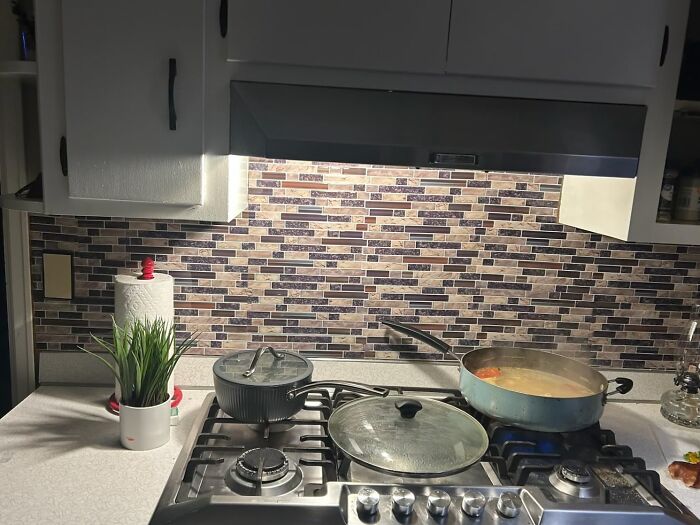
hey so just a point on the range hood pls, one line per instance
(435, 130)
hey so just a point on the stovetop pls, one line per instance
(538, 478)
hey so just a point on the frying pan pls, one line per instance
(532, 412)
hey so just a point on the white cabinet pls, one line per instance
(627, 208)
(387, 35)
(583, 41)
(133, 110)
(133, 78)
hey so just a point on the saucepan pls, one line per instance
(534, 412)
(270, 385)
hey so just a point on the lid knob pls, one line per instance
(408, 407)
(260, 351)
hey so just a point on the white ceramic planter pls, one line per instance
(144, 428)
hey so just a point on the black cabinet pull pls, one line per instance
(63, 156)
(172, 73)
(664, 47)
(223, 18)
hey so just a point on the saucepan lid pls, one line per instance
(264, 367)
(408, 436)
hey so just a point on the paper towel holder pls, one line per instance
(147, 267)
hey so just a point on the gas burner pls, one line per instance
(262, 464)
(263, 472)
(575, 479)
(575, 471)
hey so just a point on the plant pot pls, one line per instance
(144, 428)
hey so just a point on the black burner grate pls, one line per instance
(516, 454)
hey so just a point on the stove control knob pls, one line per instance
(473, 503)
(439, 503)
(367, 502)
(509, 505)
(402, 501)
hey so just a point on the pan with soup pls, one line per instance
(533, 382)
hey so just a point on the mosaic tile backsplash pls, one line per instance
(327, 250)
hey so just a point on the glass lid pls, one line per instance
(265, 366)
(415, 437)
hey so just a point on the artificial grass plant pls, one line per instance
(142, 361)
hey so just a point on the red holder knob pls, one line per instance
(147, 267)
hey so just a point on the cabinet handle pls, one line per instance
(172, 73)
(223, 18)
(664, 47)
(63, 156)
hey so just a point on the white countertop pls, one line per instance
(61, 461)
(656, 440)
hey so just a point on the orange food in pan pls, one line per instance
(488, 372)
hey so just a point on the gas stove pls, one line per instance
(290, 472)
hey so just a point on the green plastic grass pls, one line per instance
(142, 361)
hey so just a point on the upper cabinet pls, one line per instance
(134, 91)
(134, 97)
(391, 35)
(133, 110)
(607, 42)
(628, 209)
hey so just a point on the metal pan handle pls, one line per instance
(422, 336)
(624, 385)
(341, 385)
(256, 358)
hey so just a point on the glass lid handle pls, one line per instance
(260, 351)
(408, 407)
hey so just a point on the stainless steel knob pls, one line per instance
(473, 503)
(439, 503)
(402, 501)
(367, 501)
(509, 505)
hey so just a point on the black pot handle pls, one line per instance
(260, 351)
(422, 336)
(624, 385)
(340, 385)
(408, 407)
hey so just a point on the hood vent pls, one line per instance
(435, 130)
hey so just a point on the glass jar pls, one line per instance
(681, 405)
(687, 202)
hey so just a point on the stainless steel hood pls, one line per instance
(435, 130)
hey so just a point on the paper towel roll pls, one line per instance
(144, 300)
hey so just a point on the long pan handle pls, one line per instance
(422, 336)
(358, 388)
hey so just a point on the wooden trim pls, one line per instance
(13, 175)
(19, 303)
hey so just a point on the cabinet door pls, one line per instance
(122, 143)
(388, 35)
(614, 42)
